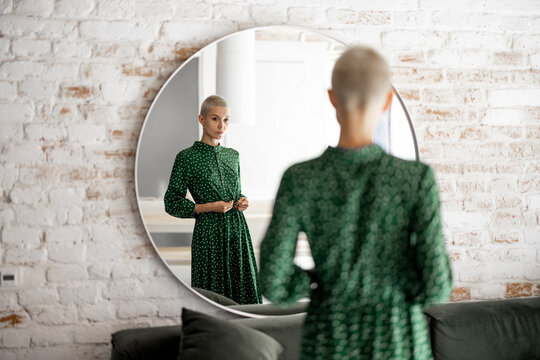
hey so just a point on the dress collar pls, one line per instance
(357, 155)
(204, 146)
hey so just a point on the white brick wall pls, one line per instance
(77, 78)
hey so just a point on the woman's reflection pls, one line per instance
(222, 254)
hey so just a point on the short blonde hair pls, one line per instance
(210, 102)
(359, 75)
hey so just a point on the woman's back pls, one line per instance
(373, 224)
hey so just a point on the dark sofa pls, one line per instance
(475, 330)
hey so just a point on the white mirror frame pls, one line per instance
(301, 28)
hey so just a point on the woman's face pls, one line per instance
(216, 121)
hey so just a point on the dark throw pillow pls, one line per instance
(207, 338)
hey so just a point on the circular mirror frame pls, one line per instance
(300, 28)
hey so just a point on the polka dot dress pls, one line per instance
(374, 227)
(222, 257)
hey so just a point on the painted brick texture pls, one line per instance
(77, 78)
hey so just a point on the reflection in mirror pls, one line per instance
(275, 80)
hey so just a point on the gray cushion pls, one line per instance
(205, 337)
(287, 329)
(490, 330)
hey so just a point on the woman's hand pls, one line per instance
(222, 206)
(242, 204)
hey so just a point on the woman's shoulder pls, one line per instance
(185, 153)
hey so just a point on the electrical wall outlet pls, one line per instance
(9, 278)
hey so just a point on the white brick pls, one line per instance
(61, 273)
(18, 26)
(168, 308)
(21, 235)
(136, 309)
(27, 195)
(128, 289)
(16, 113)
(22, 69)
(495, 116)
(74, 216)
(515, 97)
(23, 256)
(38, 90)
(33, 7)
(5, 46)
(38, 296)
(93, 333)
(230, 12)
(15, 338)
(115, 49)
(268, 14)
(122, 10)
(119, 92)
(87, 133)
(8, 91)
(455, 5)
(52, 335)
(53, 314)
(74, 8)
(412, 39)
(479, 40)
(38, 216)
(66, 253)
(305, 15)
(473, 272)
(161, 288)
(507, 271)
(98, 312)
(532, 236)
(65, 154)
(72, 49)
(118, 30)
(488, 291)
(384, 5)
(192, 11)
(102, 72)
(532, 271)
(23, 154)
(534, 60)
(33, 276)
(451, 57)
(11, 132)
(70, 195)
(45, 133)
(196, 32)
(6, 216)
(108, 250)
(99, 270)
(7, 300)
(8, 176)
(31, 47)
(157, 11)
(64, 234)
(84, 294)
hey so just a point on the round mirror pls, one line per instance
(275, 81)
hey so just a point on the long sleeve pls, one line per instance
(240, 182)
(176, 203)
(281, 280)
(429, 252)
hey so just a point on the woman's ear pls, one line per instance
(201, 120)
(388, 100)
(331, 97)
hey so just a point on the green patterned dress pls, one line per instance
(222, 257)
(374, 227)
